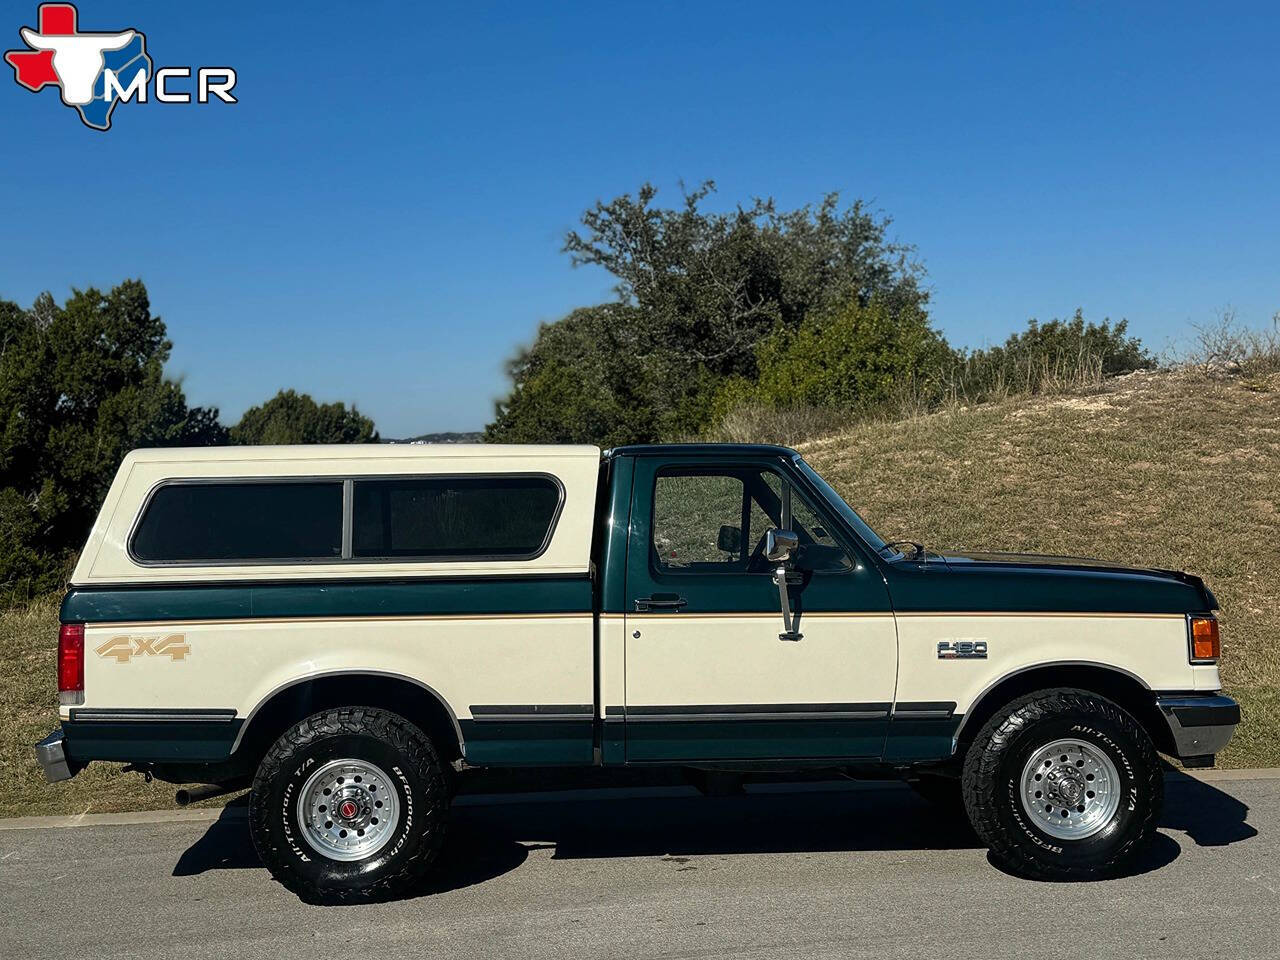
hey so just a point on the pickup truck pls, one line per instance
(346, 629)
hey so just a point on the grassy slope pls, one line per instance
(1162, 470)
(28, 698)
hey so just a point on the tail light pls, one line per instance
(71, 663)
(1206, 645)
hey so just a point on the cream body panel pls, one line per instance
(239, 664)
(613, 662)
(1205, 676)
(686, 659)
(106, 559)
(1152, 649)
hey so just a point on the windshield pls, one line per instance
(837, 502)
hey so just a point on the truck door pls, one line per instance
(708, 675)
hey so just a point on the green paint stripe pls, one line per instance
(330, 598)
(525, 742)
(920, 738)
(150, 742)
(686, 741)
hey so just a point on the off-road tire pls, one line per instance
(364, 733)
(992, 785)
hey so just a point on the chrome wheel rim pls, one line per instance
(348, 810)
(1070, 789)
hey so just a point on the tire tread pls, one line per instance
(982, 771)
(354, 721)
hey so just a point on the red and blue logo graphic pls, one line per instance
(93, 71)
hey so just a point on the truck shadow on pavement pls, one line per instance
(1209, 816)
(491, 835)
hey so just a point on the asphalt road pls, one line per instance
(823, 871)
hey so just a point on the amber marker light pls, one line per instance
(1206, 646)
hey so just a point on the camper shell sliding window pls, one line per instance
(348, 519)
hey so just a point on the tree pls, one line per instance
(80, 386)
(697, 293)
(291, 417)
(583, 380)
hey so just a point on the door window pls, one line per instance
(819, 549)
(697, 522)
(714, 520)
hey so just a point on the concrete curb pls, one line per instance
(239, 813)
(118, 819)
(1210, 776)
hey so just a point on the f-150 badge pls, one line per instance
(962, 649)
(124, 649)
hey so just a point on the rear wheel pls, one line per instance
(349, 805)
(1062, 785)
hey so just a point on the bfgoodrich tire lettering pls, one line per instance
(386, 742)
(993, 783)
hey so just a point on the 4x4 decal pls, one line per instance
(125, 648)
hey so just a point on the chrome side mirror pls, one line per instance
(780, 545)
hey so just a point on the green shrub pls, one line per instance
(1047, 358)
(856, 358)
(871, 362)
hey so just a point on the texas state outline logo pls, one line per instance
(95, 71)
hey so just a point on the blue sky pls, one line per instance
(379, 219)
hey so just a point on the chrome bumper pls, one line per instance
(53, 758)
(1200, 724)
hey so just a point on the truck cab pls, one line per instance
(347, 628)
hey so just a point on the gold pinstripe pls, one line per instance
(1026, 614)
(380, 618)
(431, 617)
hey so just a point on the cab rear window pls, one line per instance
(226, 522)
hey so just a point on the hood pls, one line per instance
(1028, 581)
(1062, 563)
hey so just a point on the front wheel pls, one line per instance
(1063, 785)
(349, 805)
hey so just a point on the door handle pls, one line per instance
(661, 602)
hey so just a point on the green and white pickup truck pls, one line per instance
(346, 628)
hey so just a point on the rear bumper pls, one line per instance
(51, 754)
(1199, 724)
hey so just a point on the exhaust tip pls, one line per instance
(190, 795)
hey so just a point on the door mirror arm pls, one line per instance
(779, 547)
